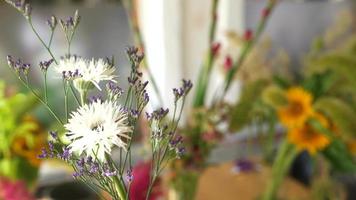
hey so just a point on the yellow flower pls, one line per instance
(30, 141)
(307, 138)
(298, 108)
(352, 146)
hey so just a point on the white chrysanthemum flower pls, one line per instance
(86, 71)
(96, 128)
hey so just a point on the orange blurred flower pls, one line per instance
(298, 109)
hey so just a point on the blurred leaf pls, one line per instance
(339, 112)
(339, 156)
(319, 83)
(274, 96)
(281, 82)
(344, 65)
(240, 114)
(336, 152)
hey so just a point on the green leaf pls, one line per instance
(319, 84)
(281, 82)
(339, 157)
(339, 112)
(240, 114)
(336, 152)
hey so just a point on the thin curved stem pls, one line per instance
(248, 47)
(40, 39)
(40, 99)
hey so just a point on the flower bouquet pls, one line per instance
(315, 108)
(90, 133)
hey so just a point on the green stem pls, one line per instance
(205, 71)
(73, 93)
(120, 188)
(40, 99)
(149, 190)
(83, 96)
(51, 39)
(66, 99)
(40, 39)
(45, 86)
(280, 168)
(247, 48)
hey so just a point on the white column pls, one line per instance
(176, 37)
(161, 27)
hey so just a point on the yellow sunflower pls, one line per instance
(298, 108)
(307, 138)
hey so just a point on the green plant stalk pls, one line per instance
(120, 188)
(45, 86)
(130, 7)
(40, 39)
(248, 47)
(280, 168)
(205, 71)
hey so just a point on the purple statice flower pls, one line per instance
(94, 168)
(89, 160)
(129, 175)
(53, 134)
(96, 98)
(109, 173)
(51, 149)
(180, 151)
(65, 154)
(130, 50)
(10, 61)
(43, 154)
(77, 174)
(52, 22)
(175, 142)
(70, 75)
(134, 113)
(114, 89)
(44, 65)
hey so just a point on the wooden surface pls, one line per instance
(222, 183)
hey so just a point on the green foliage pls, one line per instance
(343, 65)
(241, 113)
(340, 113)
(273, 96)
(12, 110)
(186, 183)
(339, 156)
(336, 152)
(318, 84)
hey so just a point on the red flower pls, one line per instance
(248, 35)
(140, 183)
(215, 48)
(14, 190)
(266, 12)
(228, 63)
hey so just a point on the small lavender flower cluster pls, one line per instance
(182, 91)
(68, 26)
(114, 91)
(52, 151)
(18, 66)
(52, 22)
(44, 65)
(24, 8)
